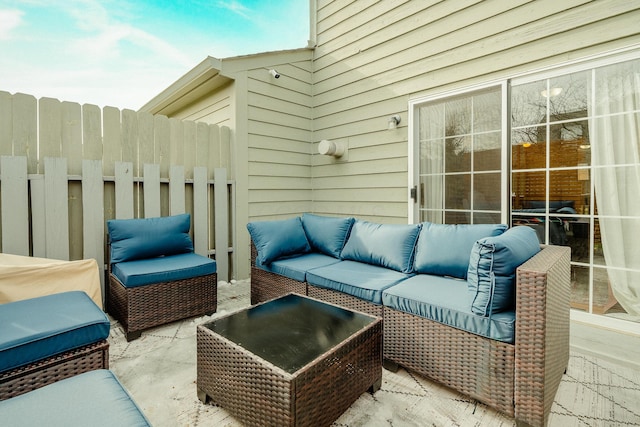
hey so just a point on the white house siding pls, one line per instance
(373, 56)
(215, 108)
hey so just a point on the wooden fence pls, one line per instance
(65, 169)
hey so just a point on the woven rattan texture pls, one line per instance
(260, 394)
(266, 285)
(479, 367)
(143, 307)
(542, 332)
(344, 300)
(55, 368)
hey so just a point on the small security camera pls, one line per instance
(274, 73)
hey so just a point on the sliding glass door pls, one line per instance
(559, 153)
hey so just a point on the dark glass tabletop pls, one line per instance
(290, 331)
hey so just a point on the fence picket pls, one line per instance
(14, 189)
(124, 190)
(221, 203)
(65, 169)
(93, 223)
(176, 190)
(151, 190)
(200, 202)
(56, 208)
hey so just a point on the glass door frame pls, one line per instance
(413, 189)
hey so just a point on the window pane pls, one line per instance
(529, 190)
(569, 144)
(565, 191)
(616, 139)
(431, 191)
(528, 148)
(487, 112)
(431, 156)
(456, 217)
(567, 97)
(486, 218)
(486, 151)
(431, 216)
(615, 88)
(578, 238)
(580, 287)
(457, 191)
(431, 122)
(486, 193)
(458, 154)
(458, 117)
(528, 105)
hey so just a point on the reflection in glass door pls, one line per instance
(460, 157)
(574, 159)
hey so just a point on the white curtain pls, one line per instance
(614, 130)
(432, 125)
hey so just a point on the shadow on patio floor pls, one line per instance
(159, 370)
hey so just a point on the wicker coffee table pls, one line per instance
(291, 361)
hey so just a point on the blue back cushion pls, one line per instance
(278, 239)
(386, 245)
(149, 237)
(326, 234)
(492, 268)
(444, 249)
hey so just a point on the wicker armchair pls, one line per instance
(154, 276)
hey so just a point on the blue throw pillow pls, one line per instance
(386, 245)
(278, 239)
(143, 238)
(326, 234)
(444, 249)
(492, 268)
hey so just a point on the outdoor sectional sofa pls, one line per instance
(480, 308)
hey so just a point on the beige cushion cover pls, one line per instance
(24, 277)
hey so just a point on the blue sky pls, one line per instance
(124, 52)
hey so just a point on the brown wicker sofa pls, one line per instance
(518, 378)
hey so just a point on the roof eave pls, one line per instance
(203, 78)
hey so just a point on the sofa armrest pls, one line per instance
(542, 332)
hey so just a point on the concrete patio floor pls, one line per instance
(159, 370)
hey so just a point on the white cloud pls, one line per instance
(235, 7)
(9, 20)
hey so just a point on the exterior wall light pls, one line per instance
(394, 121)
(330, 148)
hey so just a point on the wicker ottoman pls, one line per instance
(292, 361)
(50, 338)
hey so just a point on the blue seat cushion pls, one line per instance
(149, 237)
(163, 269)
(327, 234)
(36, 328)
(357, 279)
(385, 245)
(95, 398)
(296, 267)
(492, 269)
(444, 300)
(278, 239)
(444, 249)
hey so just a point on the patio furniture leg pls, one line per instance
(202, 396)
(390, 365)
(375, 386)
(133, 335)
